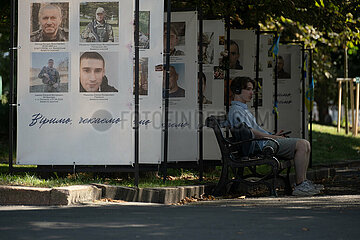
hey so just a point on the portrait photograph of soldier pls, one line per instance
(143, 76)
(93, 77)
(99, 22)
(176, 80)
(208, 47)
(177, 38)
(144, 29)
(233, 58)
(235, 53)
(49, 22)
(206, 88)
(284, 66)
(49, 72)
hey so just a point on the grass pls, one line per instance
(176, 178)
(328, 147)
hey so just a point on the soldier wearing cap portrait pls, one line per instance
(98, 30)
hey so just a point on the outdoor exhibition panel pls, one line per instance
(244, 43)
(183, 115)
(289, 89)
(213, 83)
(150, 80)
(266, 87)
(241, 63)
(65, 120)
(309, 92)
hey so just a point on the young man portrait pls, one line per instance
(174, 89)
(92, 74)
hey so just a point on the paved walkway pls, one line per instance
(331, 217)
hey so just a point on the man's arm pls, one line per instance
(85, 33)
(41, 73)
(89, 33)
(259, 134)
(57, 76)
(111, 33)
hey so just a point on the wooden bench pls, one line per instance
(234, 157)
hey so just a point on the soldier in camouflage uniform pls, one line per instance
(50, 18)
(51, 77)
(98, 30)
(174, 40)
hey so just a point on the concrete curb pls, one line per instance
(164, 195)
(17, 195)
(13, 195)
(74, 194)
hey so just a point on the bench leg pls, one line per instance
(220, 188)
(273, 185)
(288, 189)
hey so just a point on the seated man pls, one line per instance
(290, 148)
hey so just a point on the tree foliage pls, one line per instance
(326, 26)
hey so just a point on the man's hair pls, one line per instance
(280, 57)
(50, 59)
(49, 6)
(232, 42)
(92, 55)
(173, 29)
(172, 69)
(240, 83)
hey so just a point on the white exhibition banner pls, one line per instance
(289, 90)
(242, 57)
(241, 62)
(307, 79)
(266, 87)
(75, 88)
(150, 81)
(183, 117)
(213, 82)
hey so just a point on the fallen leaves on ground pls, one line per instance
(111, 200)
(195, 199)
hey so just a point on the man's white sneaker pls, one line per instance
(305, 189)
(319, 187)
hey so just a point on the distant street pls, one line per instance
(323, 217)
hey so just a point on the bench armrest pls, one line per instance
(233, 146)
